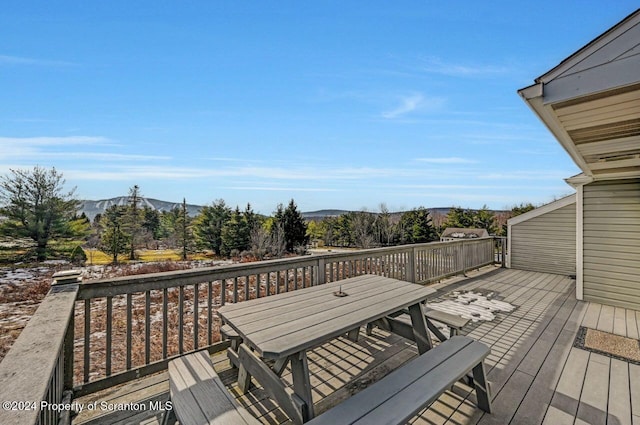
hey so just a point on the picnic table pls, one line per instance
(283, 327)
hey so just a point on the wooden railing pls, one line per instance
(124, 328)
(34, 378)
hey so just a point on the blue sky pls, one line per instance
(334, 104)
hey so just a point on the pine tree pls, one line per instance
(113, 238)
(235, 234)
(133, 221)
(184, 235)
(208, 225)
(35, 206)
(294, 226)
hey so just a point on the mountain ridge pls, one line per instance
(91, 208)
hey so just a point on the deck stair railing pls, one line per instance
(96, 334)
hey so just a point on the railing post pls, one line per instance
(72, 277)
(411, 272)
(503, 252)
(320, 276)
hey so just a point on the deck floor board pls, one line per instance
(536, 375)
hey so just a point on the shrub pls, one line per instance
(78, 256)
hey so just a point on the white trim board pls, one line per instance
(552, 206)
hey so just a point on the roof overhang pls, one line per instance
(591, 103)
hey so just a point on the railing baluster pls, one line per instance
(196, 315)
(87, 339)
(128, 336)
(109, 335)
(421, 263)
(180, 319)
(147, 327)
(165, 325)
(223, 291)
(235, 289)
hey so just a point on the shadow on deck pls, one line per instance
(536, 375)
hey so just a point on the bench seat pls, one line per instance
(199, 397)
(403, 393)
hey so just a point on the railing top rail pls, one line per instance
(25, 372)
(161, 280)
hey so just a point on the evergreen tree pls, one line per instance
(416, 226)
(35, 206)
(208, 225)
(114, 239)
(151, 221)
(235, 234)
(184, 234)
(133, 219)
(293, 224)
(485, 219)
(460, 218)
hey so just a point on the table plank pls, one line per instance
(314, 315)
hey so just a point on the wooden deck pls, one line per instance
(536, 375)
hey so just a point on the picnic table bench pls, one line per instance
(400, 322)
(199, 397)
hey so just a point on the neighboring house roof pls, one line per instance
(551, 206)
(460, 233)
(591, 102)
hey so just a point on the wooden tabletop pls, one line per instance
(284, 324)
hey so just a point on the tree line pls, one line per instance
(33, 204)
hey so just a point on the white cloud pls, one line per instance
(19, 60)
(52, 141)
(449, 160)
(438, 66)
(408, 104)
(282, 189)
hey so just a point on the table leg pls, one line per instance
(301, 383)
(292, 404)
(420, 331)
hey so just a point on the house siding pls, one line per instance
(546, 243)
(611, 247)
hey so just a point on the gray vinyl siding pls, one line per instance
(546, 243)
(612, 243)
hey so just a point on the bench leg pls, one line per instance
(353, 334)
(302, 384)
(280, 365)
(169, 417)
(420, 331)
(369, 329)
(482, 387)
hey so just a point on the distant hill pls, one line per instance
(320, 214)
(92, 208)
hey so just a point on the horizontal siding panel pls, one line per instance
(617, 300)
(606, 214)
(546, 243)
(599, 235)
(605, 225)
(612, 220)
(632, 255)
(607, 291)
(614, 273)
(614, 245)
(621, 208)
(621, 287)
(624, 303)
(612, 261)
(612, 242)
